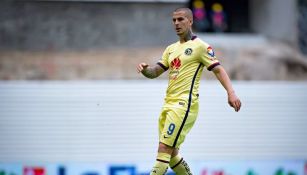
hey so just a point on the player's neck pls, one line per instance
(187, 37)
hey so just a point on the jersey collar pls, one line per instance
(193, 37)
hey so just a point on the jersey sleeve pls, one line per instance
(163, 62)
(208, 58)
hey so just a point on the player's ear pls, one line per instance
(190, 18)
(191, 22)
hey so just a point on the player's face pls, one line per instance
(181, 22)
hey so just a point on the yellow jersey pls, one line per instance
(185, 62)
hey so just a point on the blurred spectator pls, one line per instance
(218, 16)
(302, 26)
(201, 22)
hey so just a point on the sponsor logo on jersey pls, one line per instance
(175, 65)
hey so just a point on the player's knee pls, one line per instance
(165, 148)
(175, 153)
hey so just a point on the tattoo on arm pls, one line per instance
(153, 71)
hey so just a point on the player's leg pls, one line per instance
(173, 128)
(178, 164)
(164, 151)
(163, 159)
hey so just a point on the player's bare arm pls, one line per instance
(222, 76)
(150, 71)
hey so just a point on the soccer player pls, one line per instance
(185, 61)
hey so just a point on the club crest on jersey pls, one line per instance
(188, 51)
(210, 51)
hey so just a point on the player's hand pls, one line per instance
(141, 67)
(234, 101)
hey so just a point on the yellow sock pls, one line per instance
(179, 166)
(161, 164)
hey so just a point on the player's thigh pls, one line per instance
(186, 127)
(162, 119)
(171, 128)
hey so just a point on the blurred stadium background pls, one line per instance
(71, 102)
